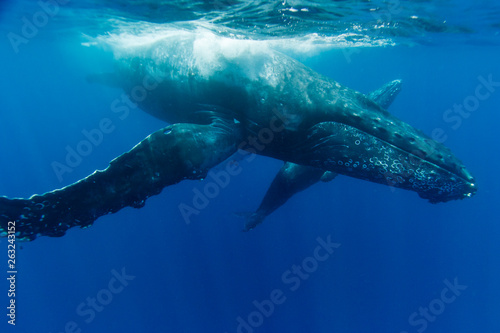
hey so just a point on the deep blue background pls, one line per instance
(396, 249)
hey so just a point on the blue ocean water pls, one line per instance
(398, 263)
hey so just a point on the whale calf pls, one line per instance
(293, 178)
(222, 96)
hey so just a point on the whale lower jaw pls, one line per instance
(349, 151)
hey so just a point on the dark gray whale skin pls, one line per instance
(293, 178)
(219, 100)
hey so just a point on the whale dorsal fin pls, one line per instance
(385, 95)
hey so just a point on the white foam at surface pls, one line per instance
(211, 52)
(132, 35)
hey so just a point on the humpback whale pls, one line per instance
(221, 96)
(293, 178)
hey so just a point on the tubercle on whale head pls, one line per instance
(436, 196)
(352, 152)
(439, 182)
(448, 179)
(402, 156)
(456, 186)
(430, 169)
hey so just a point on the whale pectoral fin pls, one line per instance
(291, 179)
(385, 95)
(328, 176)
(172, 154)
(252, 219)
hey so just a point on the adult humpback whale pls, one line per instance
(226, 95)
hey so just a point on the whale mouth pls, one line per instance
(462, 190)
(352, 152)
